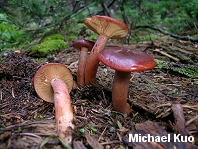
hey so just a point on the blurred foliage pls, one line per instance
(42, 12)
(10, 35)
(22, 21)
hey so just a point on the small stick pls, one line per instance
(180, 124)
(166, 54)
(102, 133)
(191, 120)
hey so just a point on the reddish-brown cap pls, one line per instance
(43, 77)
(107, 26)
(126, 59)
(78, 44)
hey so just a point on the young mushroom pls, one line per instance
(105, 27)
(84, 46)
(53, 83)
(124, 61)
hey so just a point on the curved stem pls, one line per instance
(120, 92)
(63, 110)
(92, 61)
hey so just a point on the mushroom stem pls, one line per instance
(63, 110)
(92, 61)
(81, 66)
(120, 92)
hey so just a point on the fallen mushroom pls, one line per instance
(124, 61)
(106, 27)
(84, 46)
(53, 83)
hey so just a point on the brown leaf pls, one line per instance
(78, 145)
(93, 142)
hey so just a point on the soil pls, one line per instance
(26, 121)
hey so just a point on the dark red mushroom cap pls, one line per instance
(78, 44)
(126, 59)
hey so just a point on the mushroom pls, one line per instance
(53, 83)
(124, 61)
(84, 46)
(106, 27)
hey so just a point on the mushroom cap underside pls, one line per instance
(42, 79)
(126, 59)
(107, 26)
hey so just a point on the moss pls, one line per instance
(46, 47)
(54, 37)
(184, 69)
(71, 38)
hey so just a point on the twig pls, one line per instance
(195, 26)
(1, 96)
(110, 142)
(186, 38)
(164, 114)
(74, 64)
(163, 105)
(30, 134)
(191, 120)
(13, 93)
(102, 133)
(166, 54)
(187, 106)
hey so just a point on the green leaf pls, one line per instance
(46, 140)
(91, 127)
(2, 28)
(20, 129)
(82, 130)
(65, 144)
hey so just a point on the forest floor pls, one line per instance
(163, 102)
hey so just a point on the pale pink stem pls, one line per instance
(63, 110)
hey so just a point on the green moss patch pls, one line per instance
(71, 38)
(54, 37)
(183, 69)
(47, 47)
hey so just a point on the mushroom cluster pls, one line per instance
(105, 27)
(54, 81)
(123, 60)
